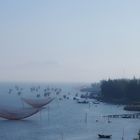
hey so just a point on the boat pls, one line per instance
(104, 136)
(126, 117)
(82, 101)
(95, 102)
(76, 98)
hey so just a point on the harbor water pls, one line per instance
(64, 119)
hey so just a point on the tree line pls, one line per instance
(121, 90)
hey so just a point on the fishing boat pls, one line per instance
(104, 136)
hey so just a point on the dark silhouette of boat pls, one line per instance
(95, 102)
(127, 117)
(80, 101)
(104, 136)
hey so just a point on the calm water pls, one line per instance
(64, 119)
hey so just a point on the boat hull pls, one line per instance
(104, 136)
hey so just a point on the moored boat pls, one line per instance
(104, 136)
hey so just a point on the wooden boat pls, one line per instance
(104, 136)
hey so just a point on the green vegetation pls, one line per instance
(121, 90)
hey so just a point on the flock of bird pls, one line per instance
(37, 90)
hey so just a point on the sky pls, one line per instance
(69, 40)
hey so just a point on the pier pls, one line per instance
(128, 116)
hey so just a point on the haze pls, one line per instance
(69, 40)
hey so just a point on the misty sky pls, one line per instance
(69, 40)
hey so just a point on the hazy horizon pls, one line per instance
(69, 41)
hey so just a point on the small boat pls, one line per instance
(18, 114)
(82, 100)
(104, 136)
(95, 102)
(126, 117)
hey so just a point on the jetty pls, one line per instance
(127, 116)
